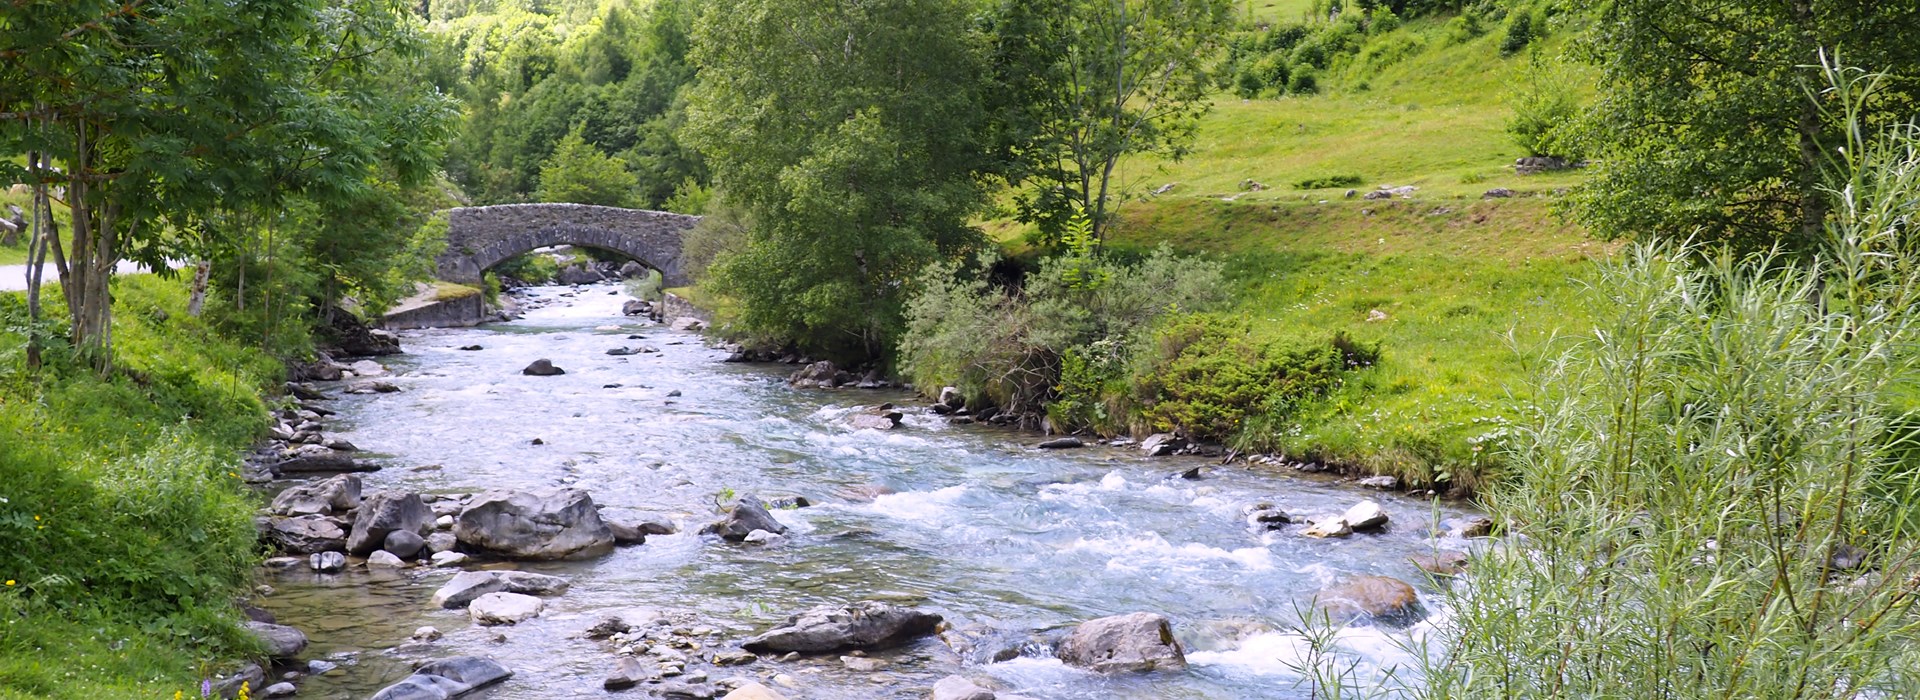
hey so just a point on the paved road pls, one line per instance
(13, 278)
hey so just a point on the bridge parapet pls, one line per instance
(479, 238)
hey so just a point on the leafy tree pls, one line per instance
(1545, 108)
(1703, 130)
(850, 132)
(579, 173)
(171, 111)
(1087, 83)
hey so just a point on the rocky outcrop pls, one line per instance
(865, 625)
(1136, 642)
(540, 526)
(383, 513)
(1381, 599)
(746, 517)
(445, 679)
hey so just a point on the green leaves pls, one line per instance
(579, 173)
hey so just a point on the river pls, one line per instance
(980, 527)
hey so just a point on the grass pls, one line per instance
(128, 531)
(451, 291)
(17, 254)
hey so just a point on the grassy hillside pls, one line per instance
(1469, 287)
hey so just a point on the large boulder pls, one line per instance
(446, 678)
(820, 374)
(307, 534)
(829, 628)
(747, 515)
(1382, 599)
(281, 641)
(468, 586)
(526, 525)
(1135, 642)
(383, 513)
(331, 496)
(504, 608)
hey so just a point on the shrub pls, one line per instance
(1463, 28)
(1328, 182)
(1303, 82)
(1382, 20)
(1204, 376)
(1520, 32)
(532, 268)
(1544, 109)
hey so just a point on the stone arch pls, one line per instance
(479, 238)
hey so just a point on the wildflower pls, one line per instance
(206, 687)
(10, 582)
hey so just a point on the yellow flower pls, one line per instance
(9, 582)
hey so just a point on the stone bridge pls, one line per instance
(479, 238)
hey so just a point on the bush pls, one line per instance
(1328, 182)
(1520, 32)
(1303, 82)
(1544, 110)
(1463, 28)
(532, 268)
(1204, 376)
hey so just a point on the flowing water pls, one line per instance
(979, 526)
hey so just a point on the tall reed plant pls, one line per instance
(1714, 497)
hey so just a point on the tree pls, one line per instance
(1703, 130)
(579, 173)
(1087, 83)
(155, 115)
(851, 133)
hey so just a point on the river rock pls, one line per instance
(250, 675)
(540, 526)
(622, 352)
(368, 368)
(331, 496)
(636, 308)
(404, 543)
(309, 459)
(734, 657)
(747, 515)
(1062, 443)
(384, 559)
(688, 323)
(448, 558)
(629, 673)
(440, 542)
(426, 633)
(373, 386)
(1267, 515)
(869, 421)
(655, 524)
(830, 628)
(446, 678)
(762, 537)
(1441, 563)
(281, 641)
(959, 688)
(307, 534)
(1383, 482)
(542, 368)
(1162, 444)
(1382, 599)
(753, 691)
(625, 534)
(504, 608)
(1365, 516)
(1135, 642)
(1328, 527)
(1467, 527)
(468, 586)
(952, 398)
(279, 690)
(327, 562)
(383, 513)
(822, 375)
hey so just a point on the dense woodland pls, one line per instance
(1046, 204)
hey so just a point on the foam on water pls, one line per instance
(917, 506)
(1150, 551)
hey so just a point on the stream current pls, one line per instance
(978, 526)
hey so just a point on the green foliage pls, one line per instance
(579, 173)
(531, 268)
(1204, 376)
(1083, 269)
(647, 286)
(852, 135)
(1703, 130)
(123, 504)
(1084, 84)
(1520, 32)
(1544, 109)
(1328, 181)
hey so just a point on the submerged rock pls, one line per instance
(1382, 599)
(541, 526)
(281, 641)
(1441, 563)
(446, 678)
(504, 608)
(1062, 443)
(1135, 642)
(468, 586)
(829, 628)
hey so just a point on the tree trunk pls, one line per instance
(37, 257)
(197, 298)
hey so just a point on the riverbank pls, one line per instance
(128, 531)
